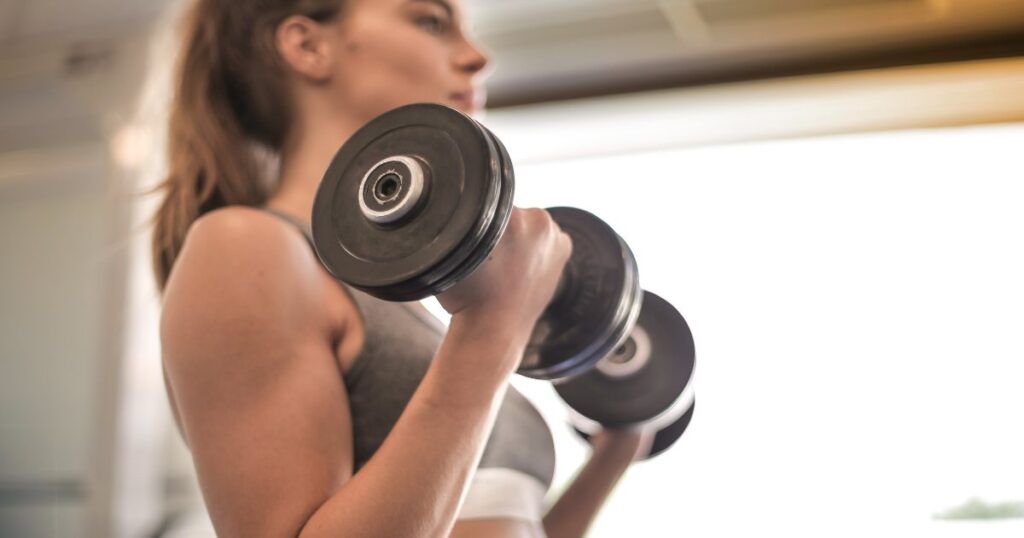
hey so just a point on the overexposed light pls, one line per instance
(130, 146)
(856, 305)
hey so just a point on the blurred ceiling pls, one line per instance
(560, 49)
(36, 22)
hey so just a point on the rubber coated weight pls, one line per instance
(503, 212)
(665, 437)
(597, 303)
(450, 227)
(644, 380)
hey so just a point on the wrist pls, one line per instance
(501, 327)
(622, 445)
(492, 340)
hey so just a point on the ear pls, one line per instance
(304, 45)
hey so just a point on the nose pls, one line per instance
(471, 59)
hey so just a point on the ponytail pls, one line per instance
(230, 97)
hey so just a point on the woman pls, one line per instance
(285, 382)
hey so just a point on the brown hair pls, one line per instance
(230, 92)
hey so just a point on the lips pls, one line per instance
(468, 100)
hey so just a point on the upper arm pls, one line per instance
(248, 353)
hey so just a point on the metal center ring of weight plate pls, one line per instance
(618, 364)
(392, 189)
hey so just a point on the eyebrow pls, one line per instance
(442, 3)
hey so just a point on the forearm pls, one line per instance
(575, 510)
(413, 484)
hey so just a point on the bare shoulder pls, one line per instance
(243, 266)
(244, 236)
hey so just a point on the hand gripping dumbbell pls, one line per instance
(417, 199)
(646, 382)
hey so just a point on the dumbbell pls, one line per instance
(417, 199)
(646, 382)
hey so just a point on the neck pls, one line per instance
(304, 159)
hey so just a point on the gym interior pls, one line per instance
(829, 191)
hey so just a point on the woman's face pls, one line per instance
(396, 52)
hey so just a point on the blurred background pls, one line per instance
(828, 190)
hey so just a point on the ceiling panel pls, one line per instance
(9, 16)
(34, 21)
(570, 48)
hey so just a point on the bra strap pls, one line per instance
(302, 226)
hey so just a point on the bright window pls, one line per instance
(857, 304)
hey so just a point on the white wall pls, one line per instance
(55, 295)
(65, 208)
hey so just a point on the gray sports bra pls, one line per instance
(400, 343)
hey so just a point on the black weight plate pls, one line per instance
(648, 392)
(507, 193)
(401, 262)
(490, 238)
(477, 246)
(597, 307)
(665, 437)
